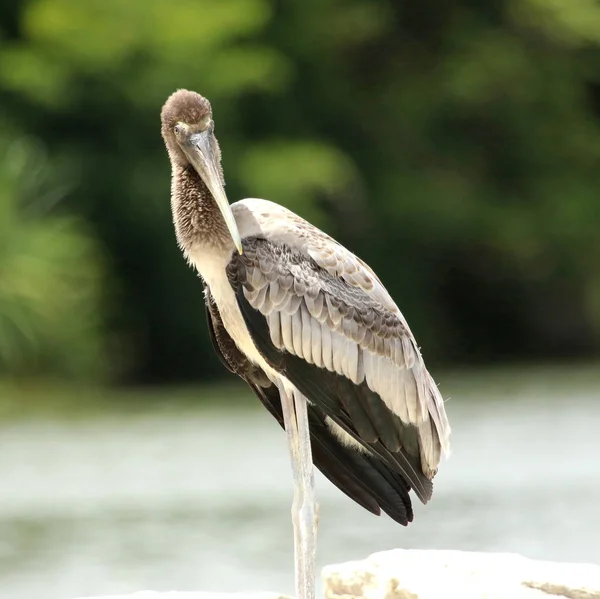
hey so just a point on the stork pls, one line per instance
(312, 330)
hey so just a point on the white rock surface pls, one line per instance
(421, 574)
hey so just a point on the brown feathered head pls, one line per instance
(188, 130)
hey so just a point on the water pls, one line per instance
(199, 499)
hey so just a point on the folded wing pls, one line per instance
(363, 478)
(327, 324)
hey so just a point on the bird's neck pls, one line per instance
(198, 222)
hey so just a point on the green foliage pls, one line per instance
(295, 170)
(49, 277)
(454, 146)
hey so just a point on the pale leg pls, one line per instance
(304, 507)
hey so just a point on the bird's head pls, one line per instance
(188, 130)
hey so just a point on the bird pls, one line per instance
(311, 329)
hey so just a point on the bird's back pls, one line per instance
(301, 287)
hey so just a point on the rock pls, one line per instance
(421, 574)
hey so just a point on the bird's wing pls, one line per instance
(361, 477)
(265, 219)
(346, 351)
(339, 262)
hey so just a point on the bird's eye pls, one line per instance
(178, 129)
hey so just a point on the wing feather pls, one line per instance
(316, 342)
(306, 333)
(297, 334)
(359, 335)
(326, 346)
(275, 327)
(365, 479)
(287, 339)
(337, 348)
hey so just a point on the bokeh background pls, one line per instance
(454, 145)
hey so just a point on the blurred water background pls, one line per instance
(187, 498)
(453, 145)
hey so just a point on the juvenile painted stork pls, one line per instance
(313, 332)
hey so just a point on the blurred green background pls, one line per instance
(453, 145)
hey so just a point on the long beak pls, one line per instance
(198, 149)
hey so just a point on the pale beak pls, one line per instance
(198, 149)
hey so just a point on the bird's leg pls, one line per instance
(304, 507)
(308, 509)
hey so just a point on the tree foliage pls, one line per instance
(453, 145)
(50, 277)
